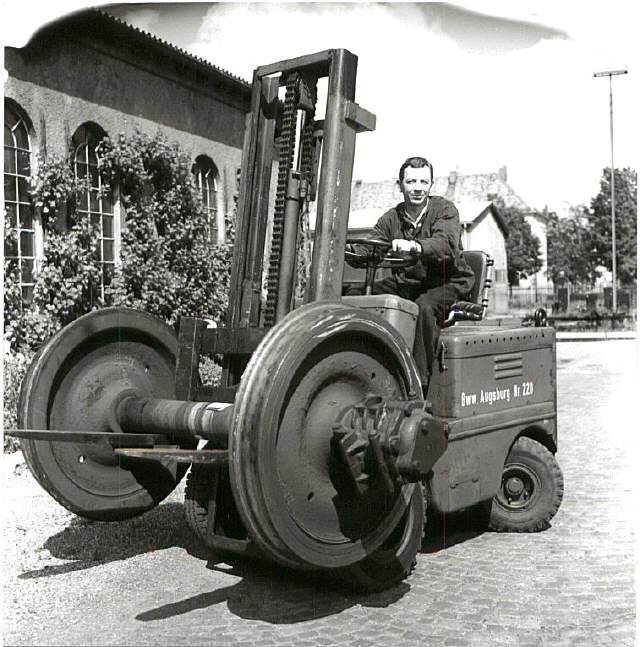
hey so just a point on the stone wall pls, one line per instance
(94, 69)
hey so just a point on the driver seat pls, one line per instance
(475, 309)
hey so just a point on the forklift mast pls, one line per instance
(315, 158)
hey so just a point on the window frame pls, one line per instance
(205, 171)
(21, 199)
(86, 141)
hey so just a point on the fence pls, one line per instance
(572, 298)
(531, 298)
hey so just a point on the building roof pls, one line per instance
(145, 34)
(478, 186)
(458, 188)
(97, 27)
(473, 211)
(375, 195)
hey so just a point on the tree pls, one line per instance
(167, 267)
(626, 213)
(570, 249)
(523, 247)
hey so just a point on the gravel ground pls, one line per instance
(148, 581)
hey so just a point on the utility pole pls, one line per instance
(610, 74)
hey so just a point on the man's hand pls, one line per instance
(402, 245)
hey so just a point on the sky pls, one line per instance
(472, 86)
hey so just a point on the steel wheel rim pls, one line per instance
(88, 479)
(308, 494)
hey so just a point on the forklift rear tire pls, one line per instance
(530, 491)
(395, 559)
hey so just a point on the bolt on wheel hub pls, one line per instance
(514, 487)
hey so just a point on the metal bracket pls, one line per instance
(442, 349)
(187, 362)
(358, 118)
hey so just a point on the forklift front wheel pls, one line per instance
(530, 491)
(207, 484)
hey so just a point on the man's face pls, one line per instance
(415, 186)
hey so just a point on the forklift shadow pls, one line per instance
(276, 595)
(86, 544)
(264, 591)
(443, 531)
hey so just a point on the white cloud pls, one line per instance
(146, 19)
(538, 110)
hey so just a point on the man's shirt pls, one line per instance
(438, 232)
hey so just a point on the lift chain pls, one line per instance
(286, 146)
(306, 171)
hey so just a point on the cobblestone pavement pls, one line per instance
(146, 581)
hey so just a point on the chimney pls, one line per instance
(502, 173)
(451, 187)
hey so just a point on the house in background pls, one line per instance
(482, 228)
(488, 186)
(89, 75)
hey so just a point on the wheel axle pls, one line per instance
(175, 418)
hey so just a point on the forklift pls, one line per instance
(316, 449)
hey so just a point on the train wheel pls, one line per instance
(72, 384)
(319, 360)
(395, 559)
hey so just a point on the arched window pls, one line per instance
(94, 203)
(207, 180)
(22, 250)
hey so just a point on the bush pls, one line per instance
(14, 370)
(167, 266)
(67, 284)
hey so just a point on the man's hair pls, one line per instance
(414, 162)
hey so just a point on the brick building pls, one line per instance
(90, 75)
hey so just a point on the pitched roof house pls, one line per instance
(482, 225)
(470, 193)
(489, 186)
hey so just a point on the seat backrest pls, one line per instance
(481, 264)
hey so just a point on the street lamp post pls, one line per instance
(611, 73)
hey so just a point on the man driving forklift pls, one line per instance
(428, 227)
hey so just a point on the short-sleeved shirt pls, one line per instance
(439, 235)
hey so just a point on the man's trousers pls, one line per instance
(434, 305)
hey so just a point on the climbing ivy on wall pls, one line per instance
(167, 265)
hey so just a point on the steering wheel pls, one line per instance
(379, 256)
(387, 259)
